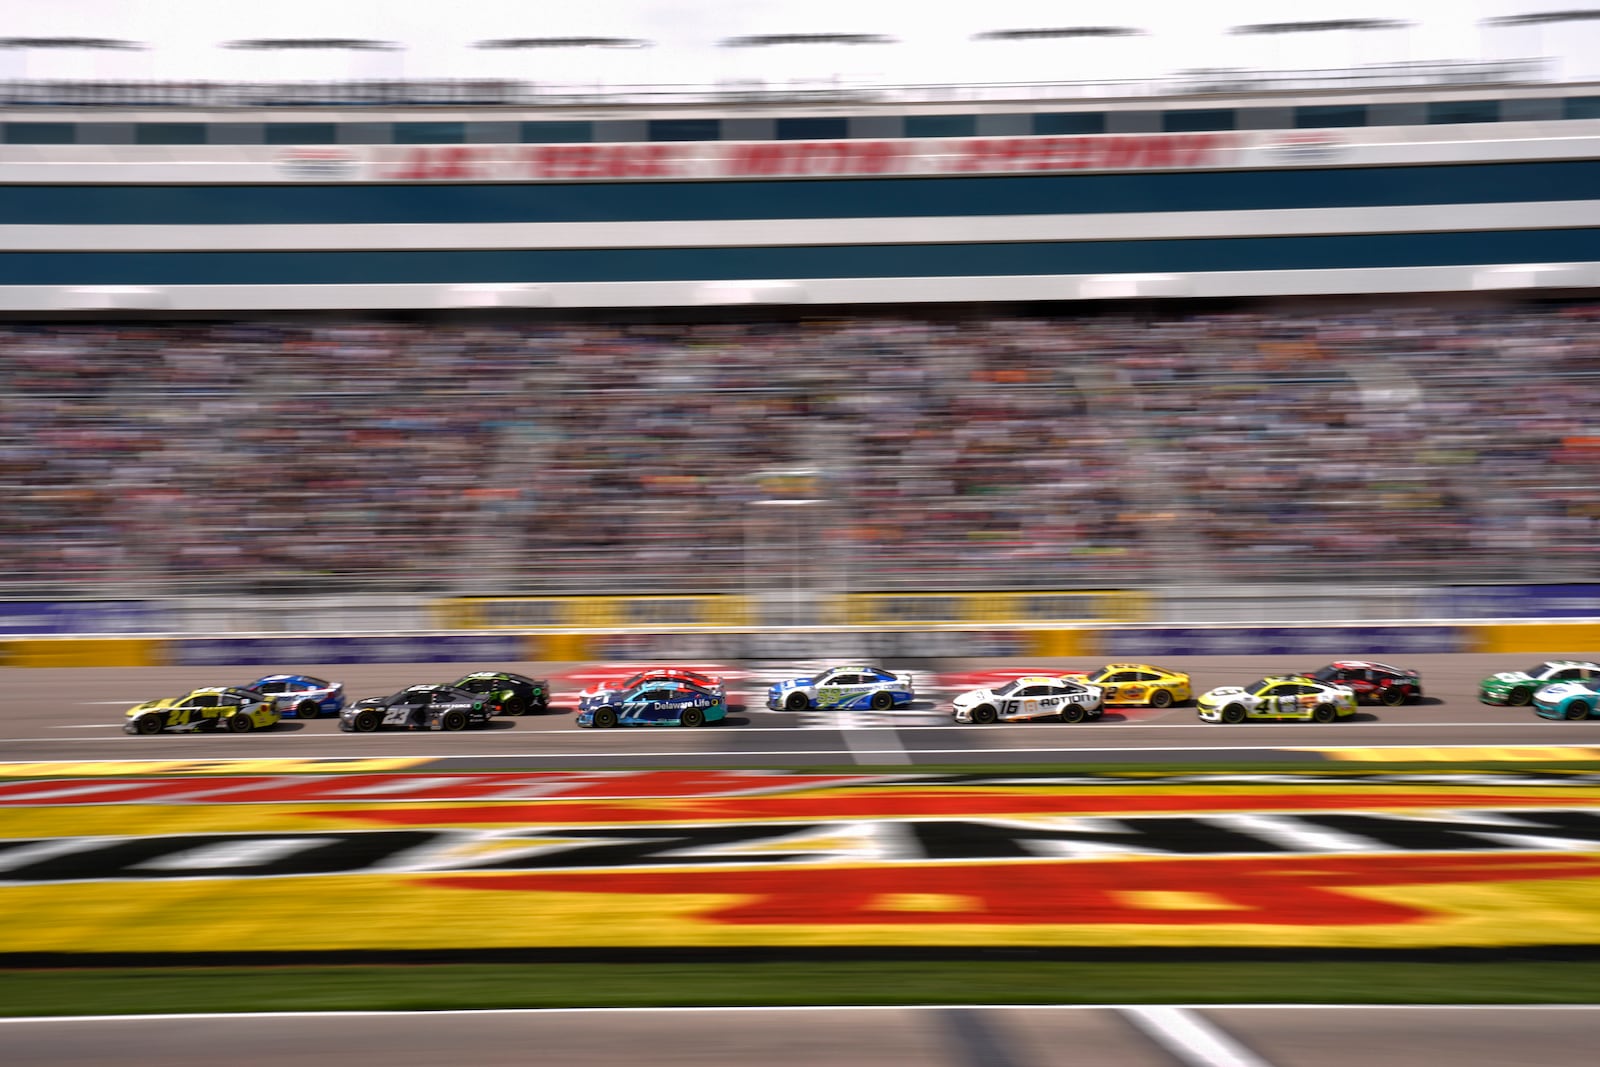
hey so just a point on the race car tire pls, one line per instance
(452, 720)
(1578, 710)
(309, 710)
(1392, 697)
(881, 702)
(366, 721)
(240, 723)
(796, 702)
(513, 706)
(1072, 713)
(1160, 698)
(1234, 713)
(605, 717)
(149, 724)
(984, 714)
(1520, 696)
(1324, 713)
(692, 717)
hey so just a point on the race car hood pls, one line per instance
(598, 697)
(1562, 690)
(1511, 676)
(1223, 691)
(792, 683)
(973, 697)
(151, 705)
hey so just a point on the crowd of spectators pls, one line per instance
(957, 449)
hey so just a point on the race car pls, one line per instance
(657, 703)
(1033, 696)
(1375, 683)
(1137, 684)
(511, 694)
(222, 707)
(844, 688)
(420, 707)
(1292, 696)
(301, 694)
(1517, 687)
(708, 682)
(1567, 700)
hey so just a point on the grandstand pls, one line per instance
(435, 339)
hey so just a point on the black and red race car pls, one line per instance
(1374, 683)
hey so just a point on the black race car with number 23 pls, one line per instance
(421, 707)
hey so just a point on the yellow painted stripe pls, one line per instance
(83, 652)
(1467, 754)
(1538, 638)
(1064, 644)
(123, 768)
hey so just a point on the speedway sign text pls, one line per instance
(797, 159)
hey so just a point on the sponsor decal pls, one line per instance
(779, 646)
(798, 159)
(744, 858)
(1309, 147)
(447, 648)
(318, 164)
(1345, 641)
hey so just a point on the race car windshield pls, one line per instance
(1538, 669)
(1326, 674)
(1255, 688)
(1008, 689)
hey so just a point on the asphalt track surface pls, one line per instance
(979, 1036)
(77, 714)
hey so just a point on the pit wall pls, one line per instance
(810, 643)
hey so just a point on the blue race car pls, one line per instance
(1567, 700)
(656, 703)
(301, 694)
(844, 688)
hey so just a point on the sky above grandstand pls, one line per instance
(684, 39)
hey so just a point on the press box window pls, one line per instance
(170, 133)
(1324, 116)
(1070, 122)
(813, 129)
(300, 133)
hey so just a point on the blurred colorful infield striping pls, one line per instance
(362, 860)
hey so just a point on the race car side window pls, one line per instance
(1036, 691)
(1569, 672)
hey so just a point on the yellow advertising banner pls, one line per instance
(1034, 608)
(385, 861)
(591, 612)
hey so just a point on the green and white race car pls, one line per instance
(1517, 687)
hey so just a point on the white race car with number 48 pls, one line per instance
(1037, 696)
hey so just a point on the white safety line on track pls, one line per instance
(695, 1009)
(1191, 1038)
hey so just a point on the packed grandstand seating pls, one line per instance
(875, 451)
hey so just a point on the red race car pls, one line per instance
(659, 674)
(1374, 683)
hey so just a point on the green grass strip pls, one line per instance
(456, 986)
